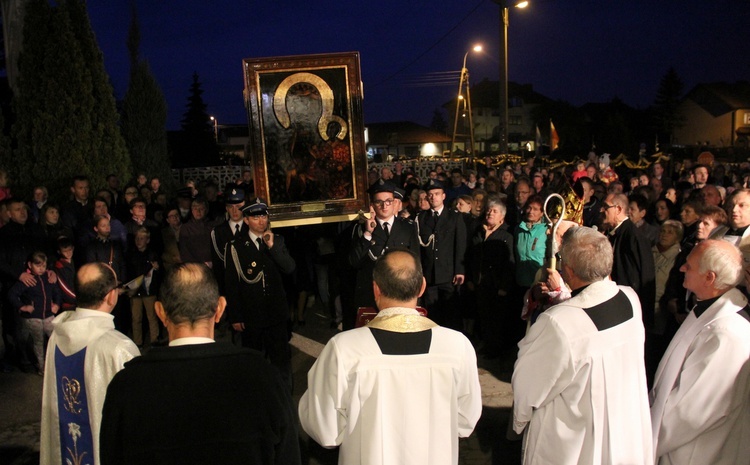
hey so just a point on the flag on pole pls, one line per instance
(554, 139)
(538, 140)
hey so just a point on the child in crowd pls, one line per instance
(143, 262)
(66, 273)
(37, 305)
(463, 203)
(580, 171)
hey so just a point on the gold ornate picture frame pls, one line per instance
(307, 136)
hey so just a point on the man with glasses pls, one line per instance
(256, 301)
(137, 219)
(122, 209)
(442, 236)
(517, 201)
(382, 231)
(633, 260)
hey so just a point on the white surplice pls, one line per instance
(107, 350)
(581, 393)
(701, 397)
(392, 409)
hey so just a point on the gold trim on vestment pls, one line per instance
(402, 323)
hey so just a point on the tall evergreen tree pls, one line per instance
(667, 116)
(438, 122)
(197, 145)
(144, 114)
(67, 123)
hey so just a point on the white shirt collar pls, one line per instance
(184, 341)
(389, 221)
(254, 239)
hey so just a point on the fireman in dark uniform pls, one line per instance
(442, 236)
(256, 301)
(382, 231)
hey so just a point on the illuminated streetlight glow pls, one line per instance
(464, 79)
(503, 127)
(216, 128)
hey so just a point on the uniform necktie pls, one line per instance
(258, 241)
(385, 227)
(236, 229)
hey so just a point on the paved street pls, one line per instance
(20, 405)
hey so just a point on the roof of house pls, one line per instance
(719, 98)
(403, 133)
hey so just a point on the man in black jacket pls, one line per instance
(197, 401)
(257, 305)
(382, 231)
(18, 239)
(633, 261)
(442, 235)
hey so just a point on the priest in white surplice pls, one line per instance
(84, 353)
(700, 406)
(579, 385)
(401, 390)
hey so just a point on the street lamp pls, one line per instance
(464, 81)
(216, 128)
(503, 129)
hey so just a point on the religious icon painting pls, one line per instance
(307, 136)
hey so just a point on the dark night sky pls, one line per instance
(574, 50)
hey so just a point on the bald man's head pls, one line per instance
(398, 275)
(189, 293)
(93, 282)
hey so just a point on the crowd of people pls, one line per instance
(483, 249)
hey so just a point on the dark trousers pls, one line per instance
(493, 316)
(273, 341)
(442, 304)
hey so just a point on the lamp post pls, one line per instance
(216, 128)
(503, 128)
(464, 81)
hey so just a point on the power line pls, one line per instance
(429, 49)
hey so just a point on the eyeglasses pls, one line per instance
(380, 203)
(131, 192)
(606, 207)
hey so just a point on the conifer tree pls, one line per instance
(438, 122)
(667, 117)
(144, 115)
(66, 119)
(198, 145)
